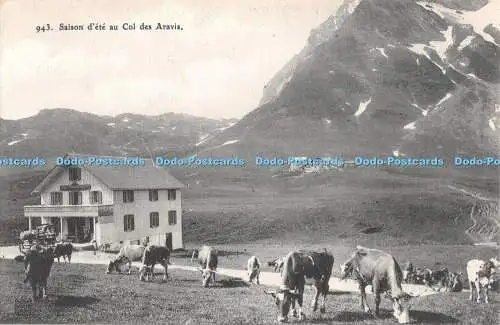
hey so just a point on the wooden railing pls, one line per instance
(99, 210)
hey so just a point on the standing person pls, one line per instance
(94, 246)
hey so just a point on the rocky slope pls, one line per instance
(383, 77)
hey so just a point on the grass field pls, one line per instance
(380, 208)
(84, 294)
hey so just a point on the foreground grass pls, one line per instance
(84, 294)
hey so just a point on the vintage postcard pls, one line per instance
(250, 162)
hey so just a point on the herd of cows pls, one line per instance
(367, 266)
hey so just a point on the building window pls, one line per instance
(75, 198)
(128, 196)
(128, 222)
(172, 217)
(75, 174)
(96, 197)
(56, 198)
(172, 195)
(153, 195)
(154, 219)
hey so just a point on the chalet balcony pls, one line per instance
(68, 210)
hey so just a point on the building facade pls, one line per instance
(111, 205)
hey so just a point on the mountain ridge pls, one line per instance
(393, 74)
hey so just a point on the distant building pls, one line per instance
(111, 204)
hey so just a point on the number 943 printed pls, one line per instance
(43, 28)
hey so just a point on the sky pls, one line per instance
(215, 67)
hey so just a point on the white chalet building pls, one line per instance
(111, 204)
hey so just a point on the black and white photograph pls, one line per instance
(250, 162)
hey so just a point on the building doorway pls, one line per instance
(168, 240)
(80, 230)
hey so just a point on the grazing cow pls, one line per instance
(127, 254)
(454, 282)
(299, 265)
(208, 260)
(253, 269)
(64, 250)
(479, 273)
(37, 265)
(277, 264)
(439, 278)
(380, 270)
(154, 255)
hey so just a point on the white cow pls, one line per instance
(127, 254)
(479, 274)
(253, 269)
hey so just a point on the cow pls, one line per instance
(479, 274)
(454, 282)
(154, 255)
(415, 275)
(64, 250)
(277, 264)
(380, 270)
(253, 269)
(297, 266)
(127, 254)
(208, 260)
(439, 278)
(37, 266)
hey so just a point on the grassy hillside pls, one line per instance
(349, 206)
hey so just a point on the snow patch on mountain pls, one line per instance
(442, 46)
(445, 98)
(362, 107)
(382, 51)
(203, 139)
(424, 111)
(420, 49)
(410, 126)
(344, 11)
(477, 19)
(466, 42)
(491, 123)
(227, 143)
(226, 127)
(11, 143)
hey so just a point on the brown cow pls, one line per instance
(154, 255)
(380, 270)
(37, 266)
(297, 266)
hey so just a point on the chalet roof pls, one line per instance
(148, 176)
